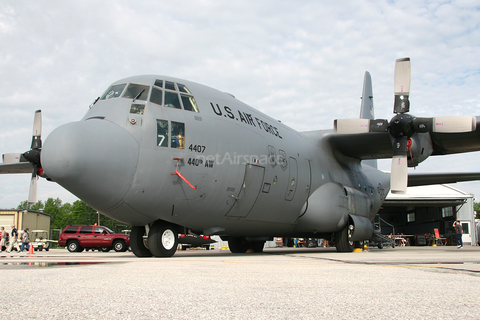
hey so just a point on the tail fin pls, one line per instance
(366, 109)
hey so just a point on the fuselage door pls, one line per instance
(249, 191)
(292, 181)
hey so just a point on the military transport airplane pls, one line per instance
(171, 156)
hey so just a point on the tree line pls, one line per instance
(66, 214)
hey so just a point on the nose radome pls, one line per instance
(94, 159)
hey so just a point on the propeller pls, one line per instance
(403, 125)
(32, 156)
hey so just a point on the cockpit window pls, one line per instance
(114, 91)
(136, 91)
(178, 135)
(189, 103)
(171, 100)
(182, 88)
(162, 133)
(170, 85)
(177, 96)
(156, 96)
(137, 108)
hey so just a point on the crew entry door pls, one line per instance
(249, 191)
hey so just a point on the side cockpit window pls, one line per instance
(176, 133)
(177, 96)
(162, 133)
(113, 92)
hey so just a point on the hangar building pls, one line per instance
(423, 209)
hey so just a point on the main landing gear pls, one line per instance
(342, 239)
(162, 240)
(242, 245)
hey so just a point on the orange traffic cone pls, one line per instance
(30, 248)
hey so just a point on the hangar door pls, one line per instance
(7, 220)
(249, 191)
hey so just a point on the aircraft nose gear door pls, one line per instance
(249, 191)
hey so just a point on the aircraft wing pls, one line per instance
(449, 143)
(20, 167)
(378, 145)
(371, 145)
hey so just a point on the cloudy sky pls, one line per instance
(301, 62)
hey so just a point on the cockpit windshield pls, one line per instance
(164, 93)
(175, 95)
(136, 91)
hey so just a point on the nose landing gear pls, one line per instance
(161, 241)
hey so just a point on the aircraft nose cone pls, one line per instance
(94, 159)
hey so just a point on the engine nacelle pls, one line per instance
(330, 206)
(420, 149)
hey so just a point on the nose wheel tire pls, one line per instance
(137, 242)
(163, 239)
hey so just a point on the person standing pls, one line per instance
(25, 240)
(458, 233)
(3, 241)
(13, 240)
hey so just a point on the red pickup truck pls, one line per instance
(79, 237)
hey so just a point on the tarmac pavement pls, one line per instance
(281, 283)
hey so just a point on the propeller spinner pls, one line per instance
(402, 126)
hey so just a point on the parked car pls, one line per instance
(79, 237)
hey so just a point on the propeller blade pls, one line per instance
(37, 130)
(10, 158)
(32, 193)
(402, 85)
(351, 125)
(454, 124)
(399, 171)
(346, 126)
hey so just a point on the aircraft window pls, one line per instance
(178, 135)
(170, 85)
(171, 100)
(158, 83)
(114, 91)
(136, 91)
(189, 103)
(182, 88)
(156, 96)
(162, 133)
(137, 108)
